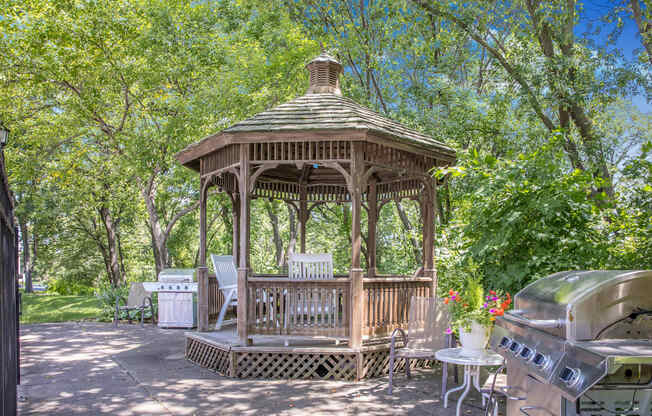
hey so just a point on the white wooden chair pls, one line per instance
(427, 319)
(310, 266)
(227, 279)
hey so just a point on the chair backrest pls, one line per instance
(137, 295)
(310, 266)
(225, 271)
(427, 320)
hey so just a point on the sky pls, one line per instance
(629, 41)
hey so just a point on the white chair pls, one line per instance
(227, 278)
(310, 266)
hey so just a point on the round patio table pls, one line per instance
(472, 363)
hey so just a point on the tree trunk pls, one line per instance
(159, 239)
(27, 260)
(278, 241)
(407, 226)
(157, 233)
(292, 242)
(644, 28)
(115, 273)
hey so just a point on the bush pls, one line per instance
(106, 296)
(70, 287)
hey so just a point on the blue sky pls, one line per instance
(629, 41)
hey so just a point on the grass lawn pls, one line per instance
(38, 308)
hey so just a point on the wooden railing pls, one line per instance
(279, 306)
(215, 299)
(387, 302)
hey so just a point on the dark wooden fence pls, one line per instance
(9, 367)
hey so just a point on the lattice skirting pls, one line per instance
(293, 363)
(208, 355)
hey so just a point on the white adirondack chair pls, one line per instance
(227, 278)
(310, 266)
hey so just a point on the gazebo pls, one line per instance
(318, 148)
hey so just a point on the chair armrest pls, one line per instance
(147, 300)
(393, 338)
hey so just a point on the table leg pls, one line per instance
(463, 386)
(476, 384)
(467, 384)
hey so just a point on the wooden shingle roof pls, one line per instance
(324, 111)
(331, 111)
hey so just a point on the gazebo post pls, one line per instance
(235, 200)
(303, 215)
(245, 200)
(427, 212)
(202, 270)
(372, 218)
(357, 185)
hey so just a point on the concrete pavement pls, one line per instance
(92, 368)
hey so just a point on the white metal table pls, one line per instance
(472, 363)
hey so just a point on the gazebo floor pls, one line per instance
(305, 357)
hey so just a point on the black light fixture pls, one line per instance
(4, 135)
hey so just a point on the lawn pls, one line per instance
(40, 308)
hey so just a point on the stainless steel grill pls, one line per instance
(580, 343)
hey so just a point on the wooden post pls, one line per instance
(428, 217)
(235, 199)
(202, 270)
(357, 179)
(245, 200)
(202, 299)
(303, 215)
(372, 219)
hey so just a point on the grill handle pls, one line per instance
(516, 315)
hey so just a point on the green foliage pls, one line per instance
(66, 287)
(529, 217)
(471, 304)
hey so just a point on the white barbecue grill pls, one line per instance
(580, 343)
(176, 300)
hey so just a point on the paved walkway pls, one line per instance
(92, 368)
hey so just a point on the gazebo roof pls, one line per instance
(321, 110)
(331, 111)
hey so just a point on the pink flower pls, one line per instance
(485, 305)
(492, 311)
(449, 331)
(494, 298)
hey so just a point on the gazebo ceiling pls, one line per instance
(321, 114)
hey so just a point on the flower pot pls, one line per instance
(474, 341)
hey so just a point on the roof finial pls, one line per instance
(324, 74)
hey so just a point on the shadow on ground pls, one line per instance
(93, 368)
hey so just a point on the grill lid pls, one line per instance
(579, 305)
(176, 275)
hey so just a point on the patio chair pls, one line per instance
(425, 334)
(138, 300)
(227, 279)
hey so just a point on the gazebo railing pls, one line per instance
(279, 306)
(387, 302)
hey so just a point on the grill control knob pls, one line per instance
(504, 343)
(570, 376)
(540, 360)
(526, 353)
(515, 347)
